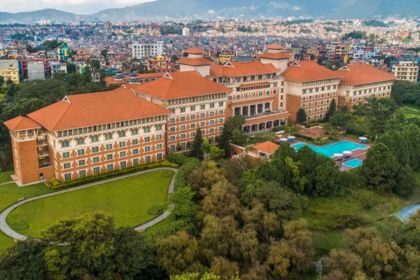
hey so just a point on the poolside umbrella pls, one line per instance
(283, 139)
(337, 156)
(291, 138)
(363, 139)
(347, 154)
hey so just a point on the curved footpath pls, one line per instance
(6, 229)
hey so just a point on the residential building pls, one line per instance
(361, 81)
(57, 68)
(147, 50)
(406, 71)
(9, 70)
(186, 32)
(36, 70)
(311, 87)
(87, 134)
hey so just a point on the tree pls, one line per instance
(196, 147)
(301, 116)
(90, 246)
(24, 261)
(176, 253)
(183, 200)
(380, 168)
(221, 200)
(342, 262)
(216, 153)
(222, 266)
(331, 110)
(231, 125)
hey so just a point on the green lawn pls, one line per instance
(127, 200)
(5, 176)
(11, 193)
(411, 112)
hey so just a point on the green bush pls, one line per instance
(54, 184)
(156, 210)
(349, 221)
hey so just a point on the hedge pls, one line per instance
(54, 184)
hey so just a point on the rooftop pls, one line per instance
(238, 69)
(21, 123)
(361, 74)
(309, 71)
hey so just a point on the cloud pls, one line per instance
(76, 6)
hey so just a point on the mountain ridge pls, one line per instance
(247, 9)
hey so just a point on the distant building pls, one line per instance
(186, 32)
(36, 70)
(406, 71)
(63, 52)
(9, 70)
(57, 67)
(147, 50)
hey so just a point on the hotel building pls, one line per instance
(361, 81)
(147, 50)
(312, 87)
(9, 70)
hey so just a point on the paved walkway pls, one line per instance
(6, 229)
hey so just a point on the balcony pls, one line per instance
(264, 114)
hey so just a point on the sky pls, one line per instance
(75, 6)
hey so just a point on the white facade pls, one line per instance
(406, 71)
(36, 71)
(186, 32)
(147, 50)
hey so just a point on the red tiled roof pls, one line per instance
(112, 80)
(308, 71)
(238, 69)
(275, 47)
(21, 123)
(179, 85)
(90, 109)
(194, 61)
(194, 51)
(266, 147)
(361, 74)
(274, 55)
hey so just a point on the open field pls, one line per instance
(128, 201)
(411, 112)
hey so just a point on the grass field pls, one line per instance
(5, 176)
(11, 193)
(127, 200)
(411, 112)
(327, 217)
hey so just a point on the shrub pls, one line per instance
(52, 184)
(349, 221)
(156, 210)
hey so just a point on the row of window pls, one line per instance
(110, 167)
(371, 90)
(193, 117)
(81, 152)
(192, 134)
(316, 103)
(194, 125)
(255, 94)
(317, 89)
(110, 126)
(196, 99)
(316, 96)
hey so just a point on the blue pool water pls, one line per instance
(353, 163)
(331, 149)
(405, 213)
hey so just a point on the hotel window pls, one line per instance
(121, 133)
(135, 141)
(159, 146)
(182, 109)
(192, 125)
(182, 136)
(192, 108)
(203, 106)
(211, 105)
(211, 122)
(193, 134)
(135, 161)
(80, 141)
(108, 136)
(211, 114)
(183, 127)
(66, 165)
(82, 173)
(82, 162)
(221, 112)
(95, 149)
(96, 170)
(146, 139)
(158, 127)
(159, 137)
(135, 151)
(147, 158)
(65, 144)
(95, 159)
(121, 144)
(108, 146)
(123, 154)
(67, 177)
(159, 156)
(66, 155)
(202, 115)
(172, 120)
(123, 164)
(147, 149)
(220, 104)
(220, 120)
(134, 131)
(172, 138)
(94, 138)
(81, 152)
(146, 129)
(109, 157)
(182, 119)
(110, 167)
(172, 129)
(192, 117)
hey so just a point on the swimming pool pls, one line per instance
(331, 149)
(353, 163)
(405, 214)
